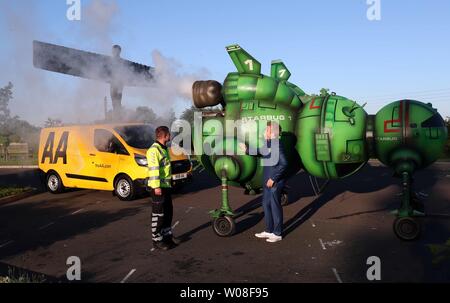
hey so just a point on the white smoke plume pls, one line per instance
(40, 94)
(169, 83)
(98, 23)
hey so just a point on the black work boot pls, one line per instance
(161, 245)
(169, 241)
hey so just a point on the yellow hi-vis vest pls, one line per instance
(159, 170)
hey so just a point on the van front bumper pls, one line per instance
(142, 183)
(179, 182)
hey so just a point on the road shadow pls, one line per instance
(201, 180)
(369, 179)
(425, 260)
(300, 187)
(245, 220)
(25, 223)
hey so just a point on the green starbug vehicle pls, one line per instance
(329, 136)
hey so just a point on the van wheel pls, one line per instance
(124, 188)
(54, 183)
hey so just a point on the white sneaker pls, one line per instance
(274, 238)
(264, 235)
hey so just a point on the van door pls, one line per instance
(105, 159)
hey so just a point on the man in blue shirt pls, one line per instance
(274, 179)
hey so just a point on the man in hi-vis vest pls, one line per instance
(159, 184)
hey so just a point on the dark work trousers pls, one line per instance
(273, 211)
(162, 214)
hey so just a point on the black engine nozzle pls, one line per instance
(207, 93)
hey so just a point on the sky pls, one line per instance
(325, 44)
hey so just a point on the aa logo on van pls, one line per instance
(61, 150)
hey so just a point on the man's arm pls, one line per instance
(281, 167)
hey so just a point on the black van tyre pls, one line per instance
(53, 183)
(124, 188)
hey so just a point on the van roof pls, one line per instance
(103, 125)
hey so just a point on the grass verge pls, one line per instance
(12, 191)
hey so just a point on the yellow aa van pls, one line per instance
(103, 157)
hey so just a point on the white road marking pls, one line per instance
(6, 244)
(128, 276)
(176, 223)
(322, 244)
(189, 209)
(152, 250)
(76, 212)
(334, 243)
(46, 226)
(336, 274)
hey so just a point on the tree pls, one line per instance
(447, 147)
(188, 114)
(50, 122)
(6, 95)
(13, 129)
(144, 114)
(169, 118)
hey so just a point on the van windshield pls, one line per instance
(137, 136)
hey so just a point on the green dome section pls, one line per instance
(409, 130)
(228, 166)
(331, 132)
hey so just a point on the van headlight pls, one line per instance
(141, 160)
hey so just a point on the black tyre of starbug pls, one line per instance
(53, 182)
(407, 228)
(124, 188)
(224, 226)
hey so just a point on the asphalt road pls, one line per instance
(328, 238)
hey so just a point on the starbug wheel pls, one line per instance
(224, 226)
(407, 228)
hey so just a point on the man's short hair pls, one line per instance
(275, 125)
(161, 131)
